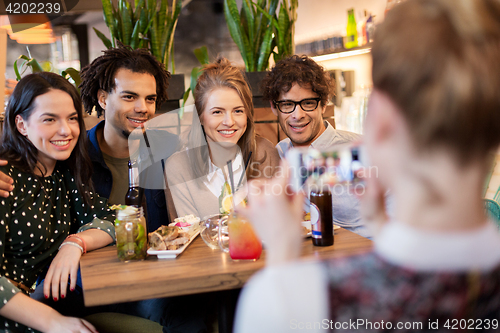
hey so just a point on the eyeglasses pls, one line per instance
(308, 104)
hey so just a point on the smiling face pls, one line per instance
(52, 127)
(300, 126)
(224, 118)
(130, 103)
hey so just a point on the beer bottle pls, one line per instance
(134, 193)
(321, 216)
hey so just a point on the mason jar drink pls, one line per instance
(131, 235)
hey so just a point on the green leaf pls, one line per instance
(272, 7)
(104, 39)
(134, 39)
(247, 12)
(162, 16)
(249, 52)
(260, 24)
(126, 24)
(74, 74)
(35, 66)
(265, 51)
(184, 100)
(195, 74)
(168, 35)
(201, 54)
(152, 6)
(107, 9)
(155, 39)
(283, 22)
(109, 19)
(17, 69)
(233, 22)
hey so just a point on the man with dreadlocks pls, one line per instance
(127, 86)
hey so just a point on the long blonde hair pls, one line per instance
(221, 74)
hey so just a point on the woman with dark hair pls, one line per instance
(44, 143)
(223, 102)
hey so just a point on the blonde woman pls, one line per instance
(224, 107)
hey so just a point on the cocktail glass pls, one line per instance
(243, 242)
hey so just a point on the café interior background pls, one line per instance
(201, 23)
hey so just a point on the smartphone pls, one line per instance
(341, 165)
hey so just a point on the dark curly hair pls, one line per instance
(100, 74)
(20, 152)
(297, 69)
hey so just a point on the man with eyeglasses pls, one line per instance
(298, 90)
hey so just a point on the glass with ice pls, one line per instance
(131, 236)
(243, 242)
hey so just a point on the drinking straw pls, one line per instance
(244, 169)
(231, 179)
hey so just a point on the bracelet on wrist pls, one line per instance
(76, 237)
(72, 244)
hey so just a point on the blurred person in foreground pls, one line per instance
(433, 122)
(298, 90)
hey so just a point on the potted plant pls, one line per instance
(45, 66)
(147, 25)
(259, 29)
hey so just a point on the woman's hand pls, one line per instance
(71, 325)
(64, 265)
(276, 214)
(5, 182)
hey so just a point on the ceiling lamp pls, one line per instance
(28, 29)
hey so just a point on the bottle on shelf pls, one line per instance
(352, 30)
(370, 28)
(362, 37)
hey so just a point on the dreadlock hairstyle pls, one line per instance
(20, 152)
(100, 74)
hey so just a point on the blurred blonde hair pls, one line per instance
(439, 61)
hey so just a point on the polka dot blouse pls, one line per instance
(34, 221)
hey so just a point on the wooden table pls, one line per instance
(199, 269)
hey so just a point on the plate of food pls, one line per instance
(167, 242)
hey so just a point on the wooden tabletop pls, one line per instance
(198, 269)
